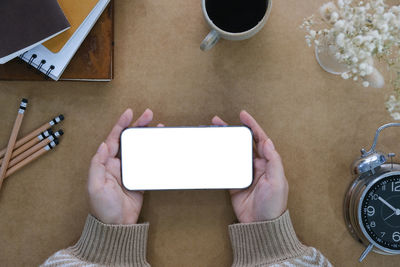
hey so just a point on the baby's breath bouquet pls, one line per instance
(354, 34)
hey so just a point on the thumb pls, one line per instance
(97, 167)
(274, 165)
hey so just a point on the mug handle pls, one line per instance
(210, 40)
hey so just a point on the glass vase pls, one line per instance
(325, 55)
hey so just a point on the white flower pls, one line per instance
(371, 47)
(362, 54)
(395, 115)
(356, 34)
(358, 40)
(393, 107)
(340, 39)
(339, 24)
(384, 28)
(334, 17)
(327, 12)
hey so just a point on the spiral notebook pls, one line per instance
(25, 24)
(93, 61)
(52, 58)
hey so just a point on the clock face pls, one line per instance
(380, 212)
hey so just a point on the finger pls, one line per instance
(160, 125)
(274, 166)
(112, 140)
(101, 155)
(218, 121)
(144, 119)
(258, 132)
(97, 168)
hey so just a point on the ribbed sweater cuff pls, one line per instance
(121, 245)
(264, 242)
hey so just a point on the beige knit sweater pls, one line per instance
(269, 243)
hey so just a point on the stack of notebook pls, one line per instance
(56, 39)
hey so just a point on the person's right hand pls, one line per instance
(266, 198)
(109, 201)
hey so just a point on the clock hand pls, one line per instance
(387, 204)
(389, 216)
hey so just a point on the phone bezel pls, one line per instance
(181, 127)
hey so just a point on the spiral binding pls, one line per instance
(32, 59)
(50, 69)
(39, 67)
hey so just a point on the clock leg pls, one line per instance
(366, 251)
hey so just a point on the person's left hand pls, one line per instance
(109, 201)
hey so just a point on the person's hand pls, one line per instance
(109, 201)
(266, 198)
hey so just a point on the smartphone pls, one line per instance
(164, 158)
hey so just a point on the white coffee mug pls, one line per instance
(216, 33)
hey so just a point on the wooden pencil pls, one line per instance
(34, 133)
(13, 139)
(35, 148)
(30, 144)
(31, 158)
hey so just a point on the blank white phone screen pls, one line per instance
(187, 158)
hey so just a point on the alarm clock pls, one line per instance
(372, 202)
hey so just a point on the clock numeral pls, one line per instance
(372, 224)
(373, 196)
(396, 236)
(370, 211)
(396, 186)
(383, 234)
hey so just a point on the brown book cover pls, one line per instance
(27, 23)
(92, 62)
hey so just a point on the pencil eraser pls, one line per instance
(24, 100)
(61, 132)
(50, 131)
(61, 117)
(56, 141)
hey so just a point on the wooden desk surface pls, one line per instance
(318, 122)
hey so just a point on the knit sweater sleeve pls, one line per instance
(105, 245)
(271, 243)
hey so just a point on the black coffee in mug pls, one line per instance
(236, 15)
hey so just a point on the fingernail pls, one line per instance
(101, 145)
(270, 145)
